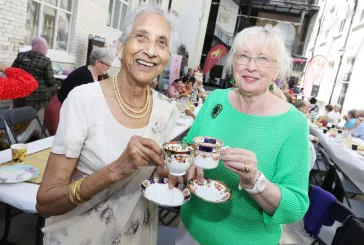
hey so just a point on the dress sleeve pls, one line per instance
(291, 176)
(72, 128)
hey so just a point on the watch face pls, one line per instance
(260, 184)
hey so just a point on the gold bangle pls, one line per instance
(72, 193)
(78, 190)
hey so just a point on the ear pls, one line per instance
(120, 49)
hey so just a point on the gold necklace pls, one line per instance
(125, 108)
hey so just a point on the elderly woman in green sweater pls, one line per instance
(266, 166)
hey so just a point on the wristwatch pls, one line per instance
(259, 185)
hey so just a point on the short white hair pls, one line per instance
(101, 54)
(271, 42)
(127, 25)
(338, 106)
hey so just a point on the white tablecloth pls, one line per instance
(23, 195)
(349, 161)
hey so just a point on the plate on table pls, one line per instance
(18, 173)
(213, 191)
(156, 190)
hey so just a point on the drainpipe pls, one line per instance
(346, 41)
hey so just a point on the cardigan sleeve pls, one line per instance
(292, 169)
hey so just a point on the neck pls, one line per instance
(250, 104)
(92, 69)
(131, 90)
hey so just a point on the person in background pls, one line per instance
(154, 83)
(331, 115)
(172, 91)
(190, 86)
(200, 89)
(268, 178)
(182, 86)
(337, 110)
(301, 105)
(350, 120)
(358, 129)
(100, 63)
(100, 60)
(39, 66)
(314, 109)
(190, 72)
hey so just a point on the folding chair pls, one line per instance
(23, 115)
(338, 212)
(165, 211)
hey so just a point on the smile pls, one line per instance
(145, 63)
(250, 79)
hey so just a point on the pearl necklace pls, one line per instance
(125, 108)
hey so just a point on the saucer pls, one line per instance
(18, 173)
(213, 191)
(156, 190)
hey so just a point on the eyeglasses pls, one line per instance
(108, 66)
(261, 61)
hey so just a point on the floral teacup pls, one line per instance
(178, 157)
(207, 152)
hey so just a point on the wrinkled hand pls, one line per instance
(139, 152)
(239, 161)
(194, 172)
(172, 180)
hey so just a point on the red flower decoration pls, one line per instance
(17, 84)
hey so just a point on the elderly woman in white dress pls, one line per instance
(108, 142)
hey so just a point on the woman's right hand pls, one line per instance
(140, 152)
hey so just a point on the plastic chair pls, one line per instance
(23, 115)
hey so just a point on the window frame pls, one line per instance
(126, 2)
(58, 9)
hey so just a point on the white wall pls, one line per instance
(193, 17)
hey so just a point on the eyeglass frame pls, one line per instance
(270, 60)
(108, 66)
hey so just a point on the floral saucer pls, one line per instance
(213, 191)
(18, 173)
(156, 190)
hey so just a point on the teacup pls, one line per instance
(18, 152)
(178, 157)
(207, 152)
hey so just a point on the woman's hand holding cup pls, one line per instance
(243, 163)
(140, 152)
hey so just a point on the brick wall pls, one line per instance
(12, 28)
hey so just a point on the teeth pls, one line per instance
(142, 62)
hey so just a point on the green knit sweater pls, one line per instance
(281, 146)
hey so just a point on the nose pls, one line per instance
(150, 49)
(252, 66)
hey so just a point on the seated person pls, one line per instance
(190, 86)
(358, 129)
(172, 91)
(350, 120)
(314, 109)
(302, 107)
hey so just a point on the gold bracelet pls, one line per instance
(78, 190)
(72, 193)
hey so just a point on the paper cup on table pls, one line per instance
(18, 152)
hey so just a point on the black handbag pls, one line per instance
(351, 232)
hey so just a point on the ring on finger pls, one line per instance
(247, 169)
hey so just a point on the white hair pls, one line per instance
(149, 8)
(101, 54)
(272, 44)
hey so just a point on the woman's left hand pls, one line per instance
(243, 163)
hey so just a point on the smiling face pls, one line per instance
(147, 49)
(249, 77)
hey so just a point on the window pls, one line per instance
(362, 16)
(50, 19)
(117, 13)
(342, 25)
